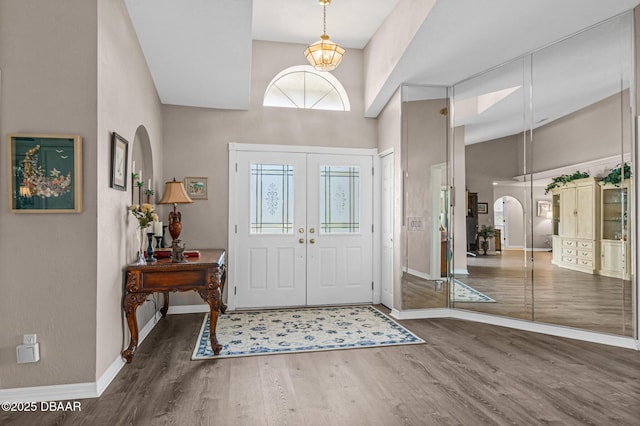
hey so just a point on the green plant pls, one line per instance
(487, 232)
(564, 179)
(616, 174)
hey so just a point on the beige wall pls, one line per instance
(196, 139)
(81, 73)
(48, 261)
(127, 99)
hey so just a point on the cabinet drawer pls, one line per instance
(585, 245)
(571, 260)
(585, 262)
(585, 254)
(569, 251)
(569, 243)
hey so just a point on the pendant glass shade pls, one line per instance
(324, 55)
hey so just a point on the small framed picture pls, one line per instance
(544, 208)
(196, 187)
(45, 173)
(119, 153)
(483, 208)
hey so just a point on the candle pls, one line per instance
(157, 228)
(133, 166)
(140, 175)
(149, 185)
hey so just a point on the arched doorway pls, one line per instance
(508, 214)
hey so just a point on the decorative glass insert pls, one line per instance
(339, 199)
(301, 86)
(271, 199)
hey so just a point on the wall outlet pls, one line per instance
(29, 339)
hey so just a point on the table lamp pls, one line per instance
(175, 193)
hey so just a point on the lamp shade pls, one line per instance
(324, 55)
(174, 193)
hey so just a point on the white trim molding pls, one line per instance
(552, 330)
(74, 391)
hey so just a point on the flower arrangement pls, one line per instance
(616, 175)
(144, 213)
(564, 179)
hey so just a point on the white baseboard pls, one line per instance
(416, 273)
(75, 391)
(188, 309)
(461, 271)
(552, 330)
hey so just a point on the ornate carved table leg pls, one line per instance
(130, 304)
(223, 280)
(212, 296)
(165, 307)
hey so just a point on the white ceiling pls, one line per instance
(199, 51)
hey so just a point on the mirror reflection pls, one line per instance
(542, 147)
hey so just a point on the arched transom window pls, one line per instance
(303, 87)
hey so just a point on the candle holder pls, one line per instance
(163, 244)
(158, 241)
(150, 258)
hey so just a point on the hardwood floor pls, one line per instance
(558, 296)
(466, 374)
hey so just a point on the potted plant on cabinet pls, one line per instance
(485, 233)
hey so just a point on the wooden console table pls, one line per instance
(204, 274)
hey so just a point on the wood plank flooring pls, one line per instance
(557, 296)
(466, 374)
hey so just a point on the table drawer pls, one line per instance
(569, 251)
(571, 260)
(165, 280)
(569, 243)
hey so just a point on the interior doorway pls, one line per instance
(508, 215)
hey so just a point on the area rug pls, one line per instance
(301, 330)
(464, 293)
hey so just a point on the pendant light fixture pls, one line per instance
(324, 55)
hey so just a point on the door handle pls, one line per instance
(312, 241)
(301, 240)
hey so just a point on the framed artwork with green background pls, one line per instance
(45, 173)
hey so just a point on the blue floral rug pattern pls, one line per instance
(464, 293)
(301, 330)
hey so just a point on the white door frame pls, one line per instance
(378, 256)
(234, 148)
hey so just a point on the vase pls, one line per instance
(141, 258)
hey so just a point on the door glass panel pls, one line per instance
(339, 199)
(271, 199)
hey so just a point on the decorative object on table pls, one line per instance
(324, 54)
(276, 331)
(119, 158)
(196, 187)
(150, 258)
(483, 208)
(46, 173)
(485, 233)
(146, 216)
(149, 193)
(175, 193)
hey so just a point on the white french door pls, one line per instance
(302, 229)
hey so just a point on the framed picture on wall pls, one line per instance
(483, 208)
(544, 208)
(45, 173)
(119, 156)
(196, 187)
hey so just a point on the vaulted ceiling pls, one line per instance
(199, 52)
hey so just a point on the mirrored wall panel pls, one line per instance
(539, 152)
(425, 221)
